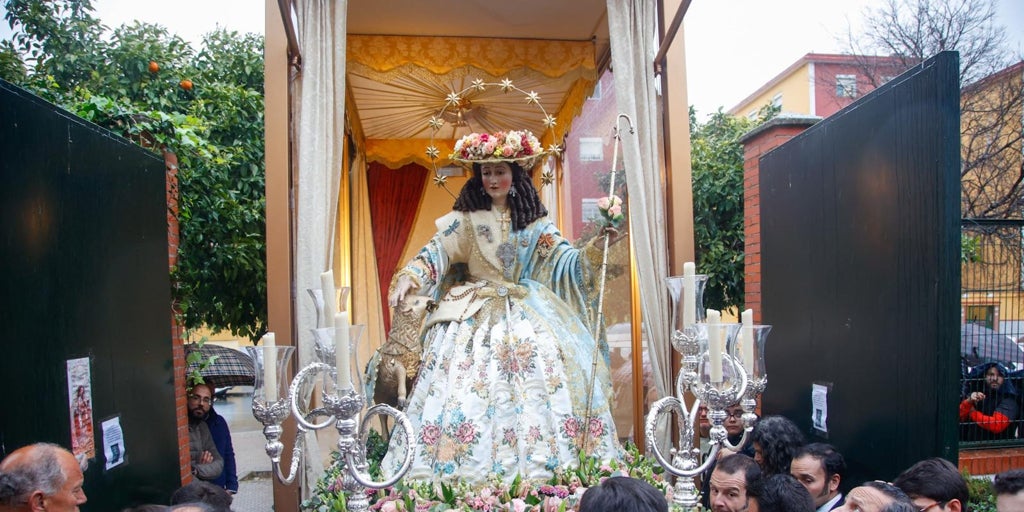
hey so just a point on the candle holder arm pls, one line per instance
(689, 468)
(356, 461)
(304, 417)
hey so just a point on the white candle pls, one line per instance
(689, 294)
(341, 327)
(747, 341)
(270, 367)
(715, 344)
(327, 288)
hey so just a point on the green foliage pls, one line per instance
(214, 124)
(982, 496)
(717, 163)
(200, 362)
(970, 249)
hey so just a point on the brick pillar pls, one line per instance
(177, 330)
(757, 142)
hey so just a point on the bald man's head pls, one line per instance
(41, 475)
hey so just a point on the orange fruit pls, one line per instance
(186, 84)
(153, 66)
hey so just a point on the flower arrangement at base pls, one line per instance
(611, 210)
(561, 493)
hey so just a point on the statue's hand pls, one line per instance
(402, 288)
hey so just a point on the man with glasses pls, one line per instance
(875, 496)
(228, 479)
(207, 464)
(934, 485)
(41, 476)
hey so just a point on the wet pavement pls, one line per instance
(255, 487)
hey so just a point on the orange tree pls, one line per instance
(206, 106)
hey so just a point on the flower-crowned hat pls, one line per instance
(519, 146)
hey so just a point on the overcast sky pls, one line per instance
(732, 46)
(735, 46)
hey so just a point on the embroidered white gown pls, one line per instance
(507, 356)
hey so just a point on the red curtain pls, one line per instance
(394, 198)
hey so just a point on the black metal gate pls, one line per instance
(859, 243)
(992, 312)
(83, 251)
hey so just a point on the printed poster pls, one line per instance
(113, 442)
(80, 409)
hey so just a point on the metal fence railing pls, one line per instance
(992, 327)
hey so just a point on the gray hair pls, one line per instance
(44, 474)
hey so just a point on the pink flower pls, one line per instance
(615, 211)
(572, 427)
(518, 505)
(551, 504)
(596, 427)
(389, 506)
(602, 203)
(466, 433)
(430, 434)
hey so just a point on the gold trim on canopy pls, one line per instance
(395, 153)
(384, 57)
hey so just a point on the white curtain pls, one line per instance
(319, 125)
(633, 26)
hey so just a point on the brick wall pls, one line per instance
(177, 330)
(756, 143)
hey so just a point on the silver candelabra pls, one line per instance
(722, 364)
(340, 386)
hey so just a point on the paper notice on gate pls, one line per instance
(819, 407)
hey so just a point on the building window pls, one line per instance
(982, 314)
(591, 149)
(590, 211)
(846, 86)
(596, 95)
(777, 101)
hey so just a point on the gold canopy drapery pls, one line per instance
(400, 82)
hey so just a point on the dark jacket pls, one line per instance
(981, 422)
(228, 479)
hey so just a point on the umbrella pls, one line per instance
(979, 344)
(230, 368)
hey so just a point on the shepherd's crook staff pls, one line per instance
(596, 326)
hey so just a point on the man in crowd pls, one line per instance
(734, 433)
(207, 464)
(41, 476)
(819, 468)
(623, 494)
(783, 493)
(873, 497)
(736, 484)
(228, 479)
(198, 491)
(934, 485)
(1009, 489)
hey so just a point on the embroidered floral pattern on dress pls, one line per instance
(516, 359)
(446, 446)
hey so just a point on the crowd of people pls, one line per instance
(47, 477)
